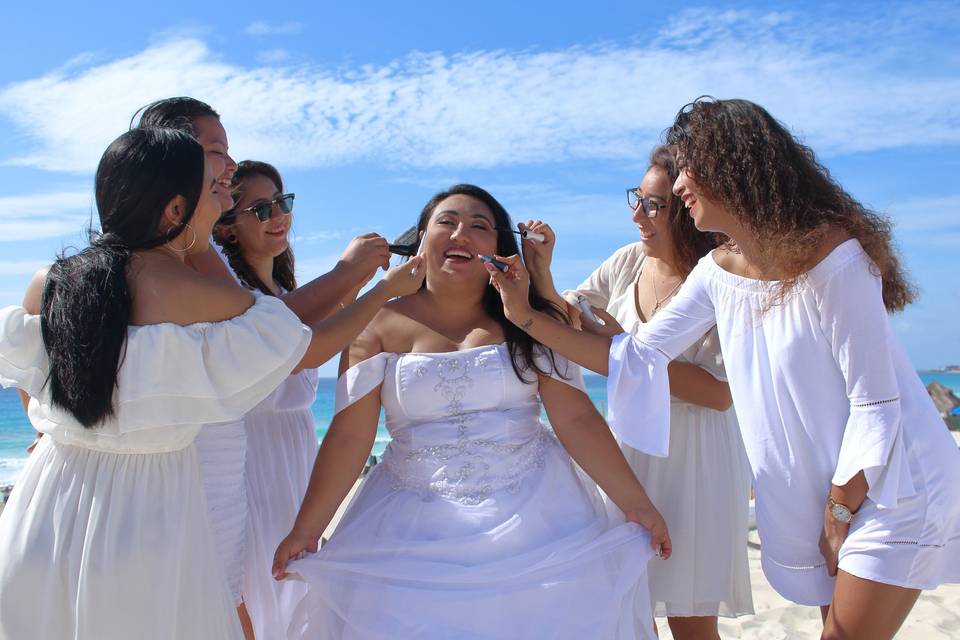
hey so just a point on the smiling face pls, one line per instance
(656, 234)
(196, 238)
(707, 213)
(260, 239)
(213, 138)
(460, 228)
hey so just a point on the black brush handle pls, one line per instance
(407, 250)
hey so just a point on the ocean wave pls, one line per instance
(10, 469)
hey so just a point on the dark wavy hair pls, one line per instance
(283, 264)
(173, 113)
(750, 163)
(519, 342)
(85, 305)
(689, 243)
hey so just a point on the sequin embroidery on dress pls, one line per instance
(472, 458)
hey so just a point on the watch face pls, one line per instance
(841, 513)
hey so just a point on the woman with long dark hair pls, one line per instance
(125, 354)
(857, 481)
(222, 450)
(280, 431)
(476, 524)
(702, 487)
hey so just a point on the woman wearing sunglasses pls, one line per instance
(126, 353)
(280, 433)
(702, 486)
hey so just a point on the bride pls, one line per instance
(477, 524)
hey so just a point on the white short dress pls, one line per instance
(106, 534)
(476, 524)
(281, 449)
(702, 488)
(823, 390)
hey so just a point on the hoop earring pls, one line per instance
(187, 248)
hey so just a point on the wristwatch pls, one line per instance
(840, 512)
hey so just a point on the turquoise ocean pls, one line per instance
(16, 432)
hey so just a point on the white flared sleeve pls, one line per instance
(559, 368)
(359, 380)
(638, 389)
(855, 322)
(207, 372)
(23, 359)
(709, 357)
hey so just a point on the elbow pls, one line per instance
(720, 400)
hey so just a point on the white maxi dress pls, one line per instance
(476, 524)
(106, 535)
(281, 449)
(702, 487)
(823, 390)
(222, 453)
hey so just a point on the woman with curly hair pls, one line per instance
(857, 481)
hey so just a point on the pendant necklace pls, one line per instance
(660, 300)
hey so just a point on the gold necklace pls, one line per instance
(660, 300)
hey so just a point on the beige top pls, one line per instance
(613, 286)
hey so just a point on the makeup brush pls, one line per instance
(502, 266)
(584, 305)
(526, 234)
(407, 243)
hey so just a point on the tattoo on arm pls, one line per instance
(526, 325)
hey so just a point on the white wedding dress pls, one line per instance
(476, 524)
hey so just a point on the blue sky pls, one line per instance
(368, 108)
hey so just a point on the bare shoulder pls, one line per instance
(34, 293)
(833, 239)
(210, 263)
(165, 292)
(390, 330)
(729, 259)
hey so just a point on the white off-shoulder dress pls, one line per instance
(106, 535)
(823, 390)
(702, 488)
(476, 524)
(281, 449)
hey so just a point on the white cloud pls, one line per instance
(502, 107)
(21, 267)
(44, 215)
(316, 236)
(927, 222)
(264, 28)
(273, 56)
(926, 214)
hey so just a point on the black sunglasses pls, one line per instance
(264, 210)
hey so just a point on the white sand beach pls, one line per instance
(935, 617)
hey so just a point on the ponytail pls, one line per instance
(85, 305)
(85, 313)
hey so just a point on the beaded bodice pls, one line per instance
(463, 424)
